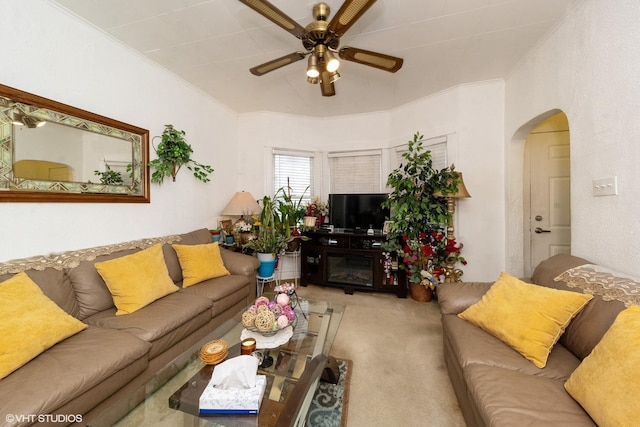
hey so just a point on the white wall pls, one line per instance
(471, 116)
(587, 68)
(96, 74)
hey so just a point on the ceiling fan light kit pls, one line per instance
(312, 69)
(321, 40)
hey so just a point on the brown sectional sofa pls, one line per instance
(494, 384)
(115, 355)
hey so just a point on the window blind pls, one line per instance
(295, 170)
(355, 171)
(438, 148)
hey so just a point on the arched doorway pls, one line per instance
(547, 191)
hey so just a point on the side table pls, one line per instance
(261, 281)
(295, 257)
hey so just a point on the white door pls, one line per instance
(549, 213)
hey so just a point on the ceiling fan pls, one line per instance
(321, 40)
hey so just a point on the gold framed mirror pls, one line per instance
(52, 152)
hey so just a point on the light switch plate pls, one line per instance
(605, 186)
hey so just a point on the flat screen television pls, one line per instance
(356, 212)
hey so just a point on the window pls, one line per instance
(438, 148)
(355, 171)
(293, 169)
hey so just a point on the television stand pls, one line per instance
(351, 261)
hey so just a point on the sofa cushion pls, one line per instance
(136, 280)
(31, 323)
(472, 345)
(225, 291)
(607, 382)
(239, 263)
(588, 327)
(504, 397)
(200, 262)
(56, 285)
(527, 317)
(163, 323)
(71, 368)
(455, 297)
(91, 292)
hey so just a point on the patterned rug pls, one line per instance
(330, 402)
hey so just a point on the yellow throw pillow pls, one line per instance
(137, 280)
(607, 382)
(31, 323)
(529, 318)
(200, 262)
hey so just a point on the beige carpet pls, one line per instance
(399, 377)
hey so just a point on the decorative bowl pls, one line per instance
(268, 317)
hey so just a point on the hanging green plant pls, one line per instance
(174, 152)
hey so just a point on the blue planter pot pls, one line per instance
(266, 268)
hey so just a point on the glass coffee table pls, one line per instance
(171, 397)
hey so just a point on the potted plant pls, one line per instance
(174, 152)
(317, 210)
(270, 239)
(418, 215)
(215, 234)
(291, 213)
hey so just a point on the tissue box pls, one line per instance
(233, 401)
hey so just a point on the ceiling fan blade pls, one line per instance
(348, 14)
(262, 69)
(326, 85)
(275, 15)
(373, 59)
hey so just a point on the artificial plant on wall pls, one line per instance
(174, 152)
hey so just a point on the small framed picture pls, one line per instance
(386, 226)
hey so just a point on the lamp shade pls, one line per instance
(242, 203)
(462, 190)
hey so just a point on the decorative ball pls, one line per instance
(248, 319)
(289, 312)
(263, 308)
(264, 320)
(282, 299)
(283, 321)
(262, 301)
(253, 309)
(277, 310)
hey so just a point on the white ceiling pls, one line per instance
(213, 43)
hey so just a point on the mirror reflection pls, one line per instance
(53, 152)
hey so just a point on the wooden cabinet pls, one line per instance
(347, 260)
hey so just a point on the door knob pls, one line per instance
(540, 230)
